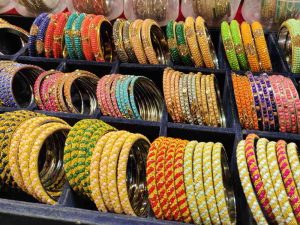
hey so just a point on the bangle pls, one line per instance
(69, 41)
(199, 100)
(40, 39)
(118, 40)
(167, 79)
(206, 45)
(250, 48)
(238, 44)
(238, 100)
(294, 162)
(34, 30)
(58, 36)
(204, 105)
(172, 42)
(85, 38)
(136, 41)
(175, 93)
(113, 96)
(127, 42)
(261, 46)
(182, 45)
(191, 38)
(50, 34)
(76, 34)
(229, 46)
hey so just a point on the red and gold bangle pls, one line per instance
(151, 180)
(170, 180)
(288, 179)
(58, 36)
(179, 182)
(49, 36)
(52, 102)
(255, 175)
(161, 179)
(85, 39)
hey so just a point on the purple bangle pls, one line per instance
(34, 32)
(39, 45)
(272, 100)
(256, 99)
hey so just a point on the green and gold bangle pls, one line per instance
(76, 34)
(229, 46)
(238, 44)
(172, 42)
(185, 54)
(69, 37)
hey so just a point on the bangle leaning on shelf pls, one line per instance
(172, 42)
(68, 35)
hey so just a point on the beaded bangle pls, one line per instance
(85, 39)
(48, 46)
(210, 104)
(125, 97)
(182, 45)
(238, 99)
(292, 152)
(40, 39)
(172, 42)
(76, 35)
(58, 36)
(69, 36)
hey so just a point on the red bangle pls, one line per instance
(288, 178)
(85, 39)
(58, 37)
(49, 37)
(255, 175)
(113, 96)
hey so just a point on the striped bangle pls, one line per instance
(292, 152)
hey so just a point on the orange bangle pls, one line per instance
(180, 115)
(85, 40)
(49, 36)
(250, 48)
(58, 37)
(261, 46)
(136, 41)
(237, 94)
(167, 79)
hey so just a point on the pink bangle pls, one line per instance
(51, 103)
(108, 86)
(113, 96)
(101, 95)
(256, 177)
(288, 179)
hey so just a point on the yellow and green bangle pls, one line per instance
(172, 42)
(229, 46)
(185, 54)
(238, 44)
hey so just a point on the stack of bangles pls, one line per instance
(99, 7)
(190, 43)
(212, 10)
(32, 154)
(140, 41)
(131, 97)
(74, 36)
(108, 167)
(267, 103)
(289, 42)
(38, 6)
(12, 38)
(193, 98)
(269, 174)
(246, 46)
(190, 181)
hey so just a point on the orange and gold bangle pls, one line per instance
(191, 38)
(167, 79)
(85, 38)
(49, 37)
(100, 39)
(174, 77)
(261, 46)
(136, 41)
(250, 47)
(58, 36)
(238, 100)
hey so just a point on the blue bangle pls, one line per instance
(34, 29)
(77, 35)
(132, 97)
(125, 97)
(118, 96)
(68, 36)
(41, 35)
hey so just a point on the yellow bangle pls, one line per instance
(247, 185)
(210, 103)
(136, 41)
(188, 181)
(199, 183)
(112, 172)
(294, 163)
(191, 38)
(204, 105)
(261, 46)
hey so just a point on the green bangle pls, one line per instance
(238, 44)
(185, 54)
(77, 35)
(69, 37)
(172, 42)
(229, 46)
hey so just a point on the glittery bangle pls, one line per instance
(114, 98)
(175, 93)
(210, 104)
(58, 36)
(76, 34)
(127, 42)
(40, 39)
(69, 36)
(107, 92)
(167, 92)
(125, 97)
(204, 105)
(136, 41)
(85, 38)
(118, 40)
(48, 43)
(172, 42)
(182, 45)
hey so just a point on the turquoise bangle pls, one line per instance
(125, 97)
(119, 97)
(131, 97)
(77, 35)
(68, 36)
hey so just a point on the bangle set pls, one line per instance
(190, 182)
(267, 103)
(98, 7)
(74, 36)
(193, 98)
(141, 41)
(119, 184)
(260, 161)
(246, 45)
(289, 42)
(212, 10)
(38, 6)
(131, 97)
(152, 9)
(190, 43)
(32, 154)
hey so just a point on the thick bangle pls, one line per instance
(34, 30)
(136, 41)
(76, 34)
(189, 27)
(250, 48)
(58, 36)
(172, 42)
(118, 40)
(127, 42)
(261, 46)
(85, 38)
(238, 44)
(69, 36)
(48, 46)
(206, 45)
(182, 45)
(229, 46)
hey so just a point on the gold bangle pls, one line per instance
(191, 38)
(136, 41)
(127, 43)
(210, 103)
(118, 40)
(204, 105)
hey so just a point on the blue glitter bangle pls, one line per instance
(34, 29)
(125, 97)
(77, 35)
(68, 36)
(118, 96)
(41, 35)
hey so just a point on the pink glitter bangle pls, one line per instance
(51, 103)
(113, 96)
(108, 86)
(101, 95)
(287, 177)
(255, 175)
